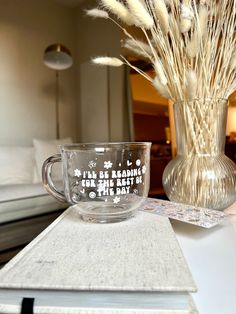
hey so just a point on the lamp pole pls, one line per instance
(57, 106)
(57, 57)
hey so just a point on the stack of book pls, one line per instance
(134, 266)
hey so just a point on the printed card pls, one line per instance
(203, 217)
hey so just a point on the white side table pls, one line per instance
(211, 256)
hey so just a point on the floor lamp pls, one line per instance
(58, 58)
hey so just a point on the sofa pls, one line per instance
(25, 206)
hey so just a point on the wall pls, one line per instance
(96, 37)
(143, 91)
(231, 121)
(27, 86)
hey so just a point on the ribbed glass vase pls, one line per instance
(201, 174)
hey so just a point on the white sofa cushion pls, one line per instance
(20, 191)
(43, 150)
(16, 165)
(26, 200)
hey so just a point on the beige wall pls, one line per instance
(97, 37)
(27, 86)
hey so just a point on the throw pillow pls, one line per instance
(43, 150)
(16, 165)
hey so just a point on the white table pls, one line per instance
(211, 256)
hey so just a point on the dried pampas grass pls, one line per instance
(141, 16)
(191, 46)
(119, 10)
(203, 20)
(97, 13)
(160, 72)
(115, 62)
(191, 85)
(233, 62)
(139, 47)
(162, 15)
(191, 43)
(186, 17)
(161, 88)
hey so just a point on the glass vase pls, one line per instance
(201, 174)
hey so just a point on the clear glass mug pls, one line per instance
(108, 181)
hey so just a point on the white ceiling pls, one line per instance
(70, 3)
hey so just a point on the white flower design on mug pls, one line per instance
(92, 164)
(107, 164)
(116, 200)
(77, 173)
(92, 195)
(138, 162)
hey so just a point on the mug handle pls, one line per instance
(47, 179)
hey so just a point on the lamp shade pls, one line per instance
(57, 57)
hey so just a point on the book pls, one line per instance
(133, 266)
